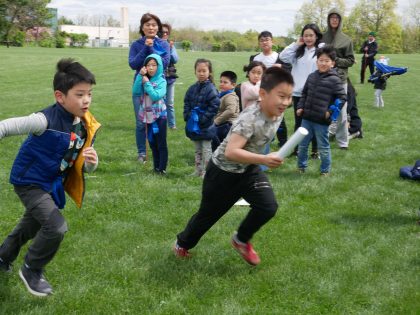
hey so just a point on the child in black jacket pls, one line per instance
(321, 89)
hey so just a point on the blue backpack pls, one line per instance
(411, 172)
(192, 123)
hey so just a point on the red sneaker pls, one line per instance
(247, 251)
(181, 252)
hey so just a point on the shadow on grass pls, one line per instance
(180, 273)
(359, 220)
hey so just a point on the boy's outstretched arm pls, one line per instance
(35, 123)
(235, 152)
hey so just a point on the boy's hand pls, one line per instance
(90, 155)
(327, 115)
(299, 112)
(272, 160)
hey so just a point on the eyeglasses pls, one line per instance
(165, 33)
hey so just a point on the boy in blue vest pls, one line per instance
(51, 160)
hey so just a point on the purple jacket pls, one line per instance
(139, 51)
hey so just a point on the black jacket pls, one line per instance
(319, 92)
(372, 49)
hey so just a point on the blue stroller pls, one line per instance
(383, 70)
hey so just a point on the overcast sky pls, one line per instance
(240, 15)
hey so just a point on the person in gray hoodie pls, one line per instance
(345, 59)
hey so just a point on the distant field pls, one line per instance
(346, 244)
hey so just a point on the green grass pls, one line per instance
(346, 244)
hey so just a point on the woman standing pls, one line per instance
(170, 75)
(302, 56)
(149, 43)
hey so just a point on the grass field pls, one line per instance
(345, 244)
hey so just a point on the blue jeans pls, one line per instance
(140, 128)
(320, 132)
(170, 94)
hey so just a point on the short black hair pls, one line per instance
(328, 50)
(274, 76)
(265, 34)
(69, 73)
(230, 75)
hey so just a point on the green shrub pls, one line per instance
(60, 41)
(18, 39)
(216, 47)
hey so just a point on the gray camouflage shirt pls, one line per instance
(253, 125)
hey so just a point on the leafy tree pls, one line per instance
(22, 15)
(186, 45)
(64, 21)
(411, 30)
(18, 38)
(315, 11)
(216, 47)
(78, 40)
(228, 45)
(60, 41)
(377, 16)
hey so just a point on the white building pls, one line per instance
(103, 36)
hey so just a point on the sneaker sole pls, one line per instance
(29, 288)
(240, 253)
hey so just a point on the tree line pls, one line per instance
(394, 33)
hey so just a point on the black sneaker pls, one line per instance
(35, 282)
(315, 156)
(5, 266)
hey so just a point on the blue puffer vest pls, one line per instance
(39, 158)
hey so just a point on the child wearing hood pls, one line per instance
(150, 87)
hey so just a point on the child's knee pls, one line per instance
(56, 226)
(270, 210)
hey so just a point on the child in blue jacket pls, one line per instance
(150, 87)
(201, 103)
(58, 150)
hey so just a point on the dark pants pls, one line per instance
(41, 221)
(221, 133)
(158, 145)
(366, 62)
(220, 192)
(298, 123)
(352, 110)
(282, 133)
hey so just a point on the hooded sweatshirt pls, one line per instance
(342, 44)
(151, 93)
